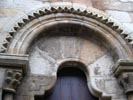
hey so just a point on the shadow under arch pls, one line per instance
(74, 64)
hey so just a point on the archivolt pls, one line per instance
(64, 8)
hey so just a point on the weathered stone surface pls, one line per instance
(71, 45)
(126, 0)
(98, 67)
(55, 0)
(108, 85)
(24, 97)
(49, 50)
(43, 60)
(9, 11)
(83, 2)
(119, 15)
(112, 5)
(89, 48)
(43, 64)
(1, 90)
(131, 14)
(130, 97)
(12, 80)
(129, 26)
(120, 98)
(26, 5)
(2, 76)
(35, 84)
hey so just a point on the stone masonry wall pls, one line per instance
(12, 10)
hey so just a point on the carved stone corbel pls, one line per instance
(123, 70)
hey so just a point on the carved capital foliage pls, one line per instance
(16, 68)
(126, 80)
(123, 70)
(12, 80)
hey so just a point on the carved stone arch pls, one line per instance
(22, 35)
(73, 63)
(86, 70)
(76, 63)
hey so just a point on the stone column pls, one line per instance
(12, 80)
(123, 70)
(15, 67)
(8, 97)
(126, 80)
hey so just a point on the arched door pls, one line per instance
(71, 84)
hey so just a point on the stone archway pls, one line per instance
(104, 43)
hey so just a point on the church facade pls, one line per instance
(66, 50)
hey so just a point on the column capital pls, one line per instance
(12, 80)
(123, 70)
(16, 67)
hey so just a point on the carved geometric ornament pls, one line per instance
(69, 8)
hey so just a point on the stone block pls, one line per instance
(2, 76)
(24, 97)
(9, 11)
(112, 4)
(44, 1)
(126, 0)
(129, 26)
(90, 52)
(26, 5)
(108, 85)
(131, 14)
(35, 84)
(1, 89)
(120, 15)
(66, 0)
(55, 0)
(102, 66)
(83, 2)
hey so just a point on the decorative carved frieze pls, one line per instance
(12, 80)
(123, 70)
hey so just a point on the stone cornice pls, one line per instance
(123, 70)
(123, 66)
(14, 62)
(69, 8)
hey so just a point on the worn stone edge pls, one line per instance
(13, 61)
(122, 66)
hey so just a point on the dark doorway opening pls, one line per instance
(71, 84)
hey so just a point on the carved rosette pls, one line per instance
(12, 80)
(123, 70)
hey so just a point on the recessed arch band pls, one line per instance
(52, 14)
